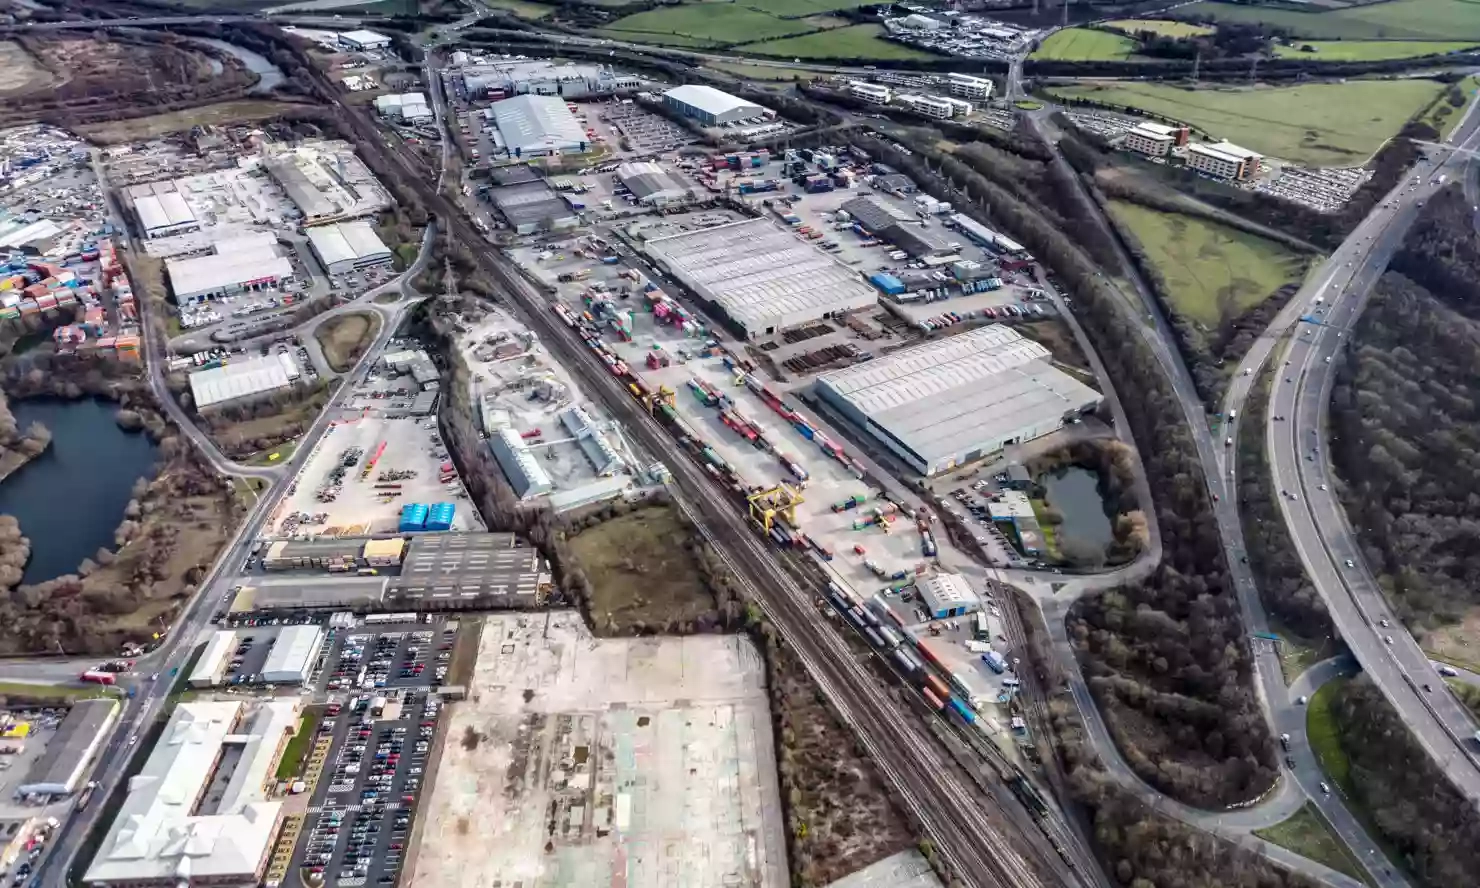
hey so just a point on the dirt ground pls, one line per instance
(1458, 644)
(345, 338)
(19, 72)
(156, 125)
(641, 570)
(239, 438)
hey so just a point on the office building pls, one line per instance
(198, 813)
(1223, 160)
(1155, 139)
(344, 247)
(710, 106)
(763, 278)
(957, 400)
(870, 92)
(977, 89)
(930, 106)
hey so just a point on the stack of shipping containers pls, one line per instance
(413, 517)
(440, 516)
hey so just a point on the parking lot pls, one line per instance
(357, 830)
(374, 659)
(645, 132)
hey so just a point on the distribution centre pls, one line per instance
(956, 400)
(348, 246)
(238, 380)
(536, 126)
(710, 106)
(763, 278)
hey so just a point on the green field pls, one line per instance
(1157, 26)
(1213, 273)
(772, 72)
(1320, 728)
(1084, 45)
(721, 24)
(522, 8)
(1307, 833)
(854, 42)
(1395, 20)
(656, 39)
(1367, 50)
(1321, 124)
(800, 8)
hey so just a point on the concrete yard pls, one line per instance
(593, 763)
(411, 444)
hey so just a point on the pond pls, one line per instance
(257, 63)
(1074, 492)
(71, 498)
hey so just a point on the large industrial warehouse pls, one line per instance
(537, 126)
(70, 750)
(348, 246)
(710, 106)
(237, 264)
(162, 210)
(956, 400)
(240, 379)
(293, 654)
(762, 277)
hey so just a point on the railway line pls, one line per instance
(987, 839)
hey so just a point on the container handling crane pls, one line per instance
(782, 500)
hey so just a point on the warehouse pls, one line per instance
(210, 669)
(363, 40)
(541, 77)
(537, 126)
(947, 595)
(237, 265)
(344, 247)
(324, 180)
(162, 210)
(651, 184)
(166, 835)
(249, 378)
(405, 107)
(70, 750)
(293, 655)
(525, 474)
(762, 277)
(530, 207)
(459, 570)
(296, 594)
(956, 400)
(710, 106)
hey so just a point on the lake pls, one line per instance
(71, 498)
(1074, 493)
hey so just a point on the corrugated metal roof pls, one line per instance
(204, 274)
(538, 123)
(238, 379)
(347, 242)
(711, 101)
(292, 652)
(157, 211)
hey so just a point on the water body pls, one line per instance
(271, 74)
(71, 498)
(1074, 492)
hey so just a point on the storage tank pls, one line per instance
(413, 516)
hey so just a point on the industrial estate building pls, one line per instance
(761, 277)
(348, 246)
(651, 184)
(325, 180)
(956, 400)
(537, 126)
(525, 474)
(406, 107)
(501, 79)
(69, 753)
(946, 595)
(210, 669)
(531, 206)
(710, 106)
(161, 210)
(293, 654)
(248, 378)
(1155, 139)
(1223, 160)
(169, 832)
(247, 262)
(899, 228)
(363, 40)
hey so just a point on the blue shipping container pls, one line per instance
(964, 711)
(413, 516)
(887, 283)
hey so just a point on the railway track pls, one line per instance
(984, 842)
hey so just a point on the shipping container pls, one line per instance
(936, 701)
(413, 517)
(939, 687)
(962, 711)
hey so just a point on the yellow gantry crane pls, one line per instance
(782, 500)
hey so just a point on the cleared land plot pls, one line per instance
(1157, 26)
(580, 762)
(1396, 20)
(717, 23)
(641, 569)
(1367, 50)
(1307, 833)
(345, 338)
(522, 8)
(156, 125)
(1319, 124)
(19, 72)
(1084, 45)
(1214, 273)
(855, 42)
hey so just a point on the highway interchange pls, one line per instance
(949, 806)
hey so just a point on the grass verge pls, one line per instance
(1393, 20)
(1325, 738)
(298, 744)
(1307, 833)
(345, 337)
(1366, 50)
(44, 693)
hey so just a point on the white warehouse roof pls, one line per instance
(239, 379)
(157, 211)
(761, 275)
(218, 651)
(538, 123)
(292, 654)
(157, 838)
(712, 101)
(364, 38)
(347, 242)
(206, 274)
(945, 397)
